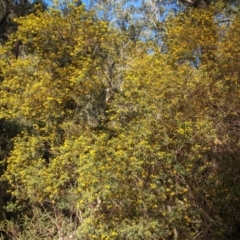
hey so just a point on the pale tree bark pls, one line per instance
(196, 3)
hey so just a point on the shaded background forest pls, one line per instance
(119, 120)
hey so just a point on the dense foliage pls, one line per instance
(121, 130)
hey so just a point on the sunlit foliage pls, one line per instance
(118, 139)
